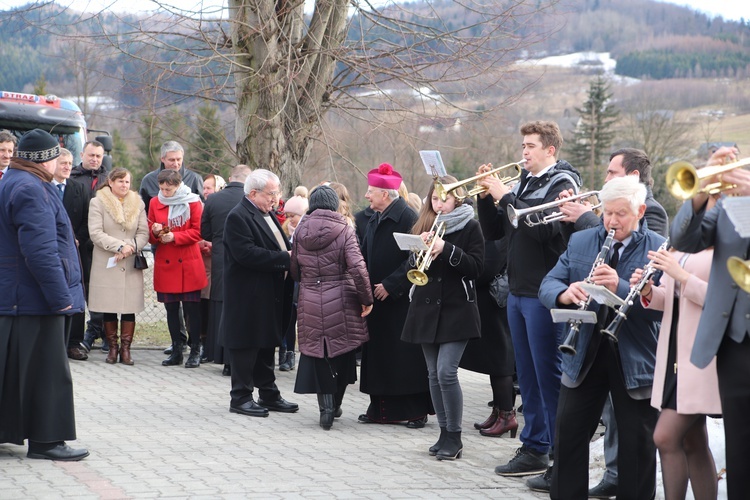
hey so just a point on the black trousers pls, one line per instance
(578, 413)
(252, 368)
(733, 368)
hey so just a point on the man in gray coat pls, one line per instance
(724, 328)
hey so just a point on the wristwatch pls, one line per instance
(119, 249)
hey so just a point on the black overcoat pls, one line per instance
(257, 290)
(215, 213)
(390, 366)
(445, 309)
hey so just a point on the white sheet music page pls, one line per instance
(738, 210)
(433, 163)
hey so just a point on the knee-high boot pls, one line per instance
(127, 330)
(325, 404)
(110, 331)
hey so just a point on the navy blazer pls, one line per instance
(726, 310)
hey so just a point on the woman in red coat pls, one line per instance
(174, 219)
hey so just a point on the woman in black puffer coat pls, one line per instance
(334, 298)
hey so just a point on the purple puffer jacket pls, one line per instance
(333, 285)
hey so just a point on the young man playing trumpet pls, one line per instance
(532, 251)
(601, 366)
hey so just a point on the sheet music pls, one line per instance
(433, 163)
(602, 295)
(738, 210)
(410, 242)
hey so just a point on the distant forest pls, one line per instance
(649, 39)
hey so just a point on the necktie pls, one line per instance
(1, 174)
(615, 255)
(60, 190)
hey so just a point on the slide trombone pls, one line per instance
(442, 190)
(684, 180)
(515, 215)
(740, 271)
(423, 258)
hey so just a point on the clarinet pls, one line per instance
(567, 347)
(621, 313)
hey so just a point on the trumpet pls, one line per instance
(568, 346)
(423, 258)
(442, 190)
(515, 215)
(621, 313)
(740, 271)
(684, 180)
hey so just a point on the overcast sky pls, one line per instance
(729, 9)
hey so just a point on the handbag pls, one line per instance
(140, 259)
(499, 289)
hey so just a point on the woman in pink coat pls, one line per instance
(684, 393)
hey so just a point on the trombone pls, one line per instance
(684, 180)
(423, 258)
(740, 271)
(443, 190)
(515, 214)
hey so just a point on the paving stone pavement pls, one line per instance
(166, 432)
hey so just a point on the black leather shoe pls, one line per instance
(227, 371)
(281, 405)
(417, 423)
(61, 452)
(604, 489)
(365, 419)
(77, 353)
(251, 409)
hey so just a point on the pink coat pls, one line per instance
(697, 389)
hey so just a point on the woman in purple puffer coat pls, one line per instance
(334, 298)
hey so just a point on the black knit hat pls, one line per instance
(323, 197)
(38, 146)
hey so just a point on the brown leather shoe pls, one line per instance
(77, 353)
(490, 420)
(506, 421)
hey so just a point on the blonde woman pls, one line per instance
(118, 228)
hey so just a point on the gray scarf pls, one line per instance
(457, 219)
(179, 205)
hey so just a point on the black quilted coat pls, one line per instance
(333, 285)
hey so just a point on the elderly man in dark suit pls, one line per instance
(724, 328)
(257, 296)
(76, 203)
(215, 213)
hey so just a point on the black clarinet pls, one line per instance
(575, 325)
(621, 313)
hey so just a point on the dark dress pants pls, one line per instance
(578, 415)
(733, 367)
(253, 368)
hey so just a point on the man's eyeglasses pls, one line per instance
(272, 194)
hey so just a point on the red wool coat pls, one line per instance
(178, 265)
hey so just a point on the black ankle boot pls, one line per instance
(175, 358)
(441, 440)
(452, 447)
(194, 360)
(325, 403)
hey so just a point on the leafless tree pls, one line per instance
(284, 69)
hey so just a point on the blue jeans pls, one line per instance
(538, 365)
(442, 370)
